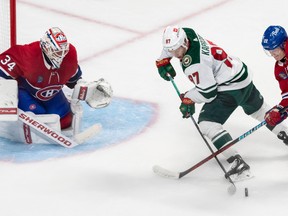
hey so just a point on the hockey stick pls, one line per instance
(53, 136)
(231, 189)
(170, 174)
(88, 133)
(45, 131)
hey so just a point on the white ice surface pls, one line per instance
(120, 40)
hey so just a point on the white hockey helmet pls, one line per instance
(55, 46)
(173, 38)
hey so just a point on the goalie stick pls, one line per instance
(53, 136)
(177, 175)
(88, 133)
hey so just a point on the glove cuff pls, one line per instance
(187, 101)
(163, 62)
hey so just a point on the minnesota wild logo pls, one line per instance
(187, 60)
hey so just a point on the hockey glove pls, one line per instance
(97, 94)
(187, 107)
(164, 66)
(276, 115)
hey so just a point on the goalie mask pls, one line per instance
(55, 46)
(173, 38)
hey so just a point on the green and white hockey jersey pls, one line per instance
(211, 69)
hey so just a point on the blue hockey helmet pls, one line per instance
(273, 37)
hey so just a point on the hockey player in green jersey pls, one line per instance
(222, 83)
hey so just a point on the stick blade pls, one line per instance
(88, 133)
(165, 173)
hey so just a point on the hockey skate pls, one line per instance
(239, 169)
(283, 136)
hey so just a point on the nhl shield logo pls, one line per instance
(40, 79)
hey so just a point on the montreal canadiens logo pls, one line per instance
(61, 38)
(48, 92)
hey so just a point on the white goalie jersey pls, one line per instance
(211, 69)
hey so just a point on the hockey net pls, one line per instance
(7, 24)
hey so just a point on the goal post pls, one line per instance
(7, 24)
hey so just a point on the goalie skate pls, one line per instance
(239, 169)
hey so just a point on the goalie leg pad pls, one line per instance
(8, 100)
(77, 113)
(29, 137)
(20, 132)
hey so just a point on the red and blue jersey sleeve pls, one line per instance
(11, 62)
(281, 75)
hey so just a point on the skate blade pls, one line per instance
(245, 175)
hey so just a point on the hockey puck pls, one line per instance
(246, 192)
(232, 189)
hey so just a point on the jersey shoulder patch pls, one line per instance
(192, 55)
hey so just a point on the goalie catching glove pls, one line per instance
(187, 106)
(97, 94)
